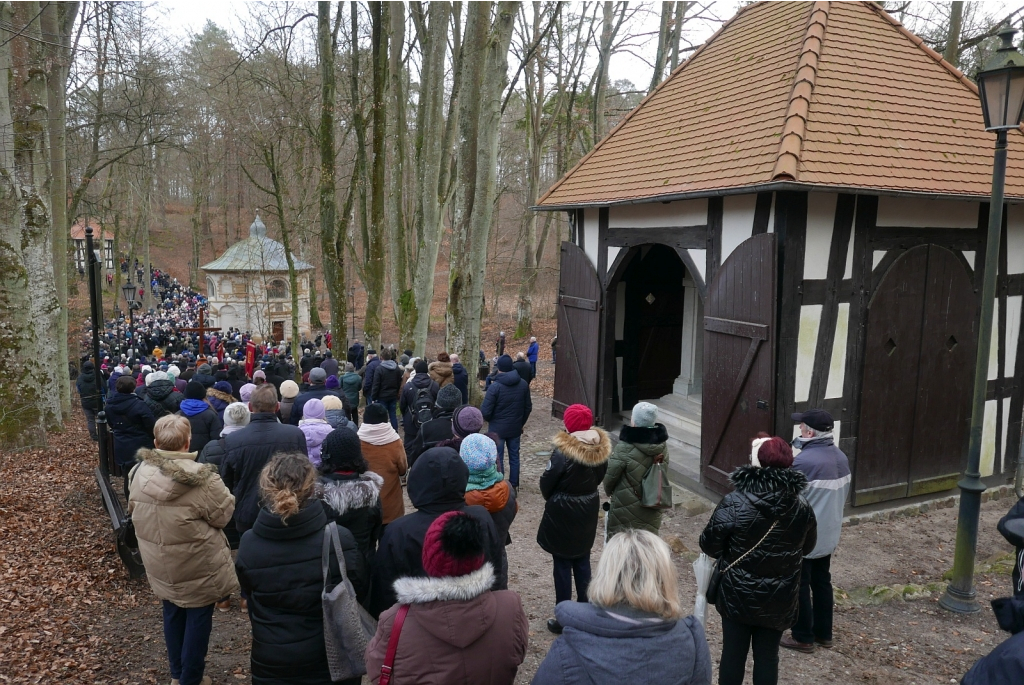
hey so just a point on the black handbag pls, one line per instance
(716, 574)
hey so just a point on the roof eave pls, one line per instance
(774, 186)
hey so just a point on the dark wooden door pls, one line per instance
(918, 371)
(653, 324)
(579, 328)
(278, 333)
(739, 358)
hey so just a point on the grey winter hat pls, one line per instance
(317, 375)
(645, 415)
(449, 397)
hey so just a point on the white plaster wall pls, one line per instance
(848, 271)
(700, 261)
(915, 212)
(821, 216)
(656, 214)
(969, 256)
(590, 234)
(1015, 239)
(1012, 332)
(613, 252)
(993, 353)
(737, 221)
(837, 364)
(810, 321)
(876, 258)
(988, 439)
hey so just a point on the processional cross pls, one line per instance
(201, 329)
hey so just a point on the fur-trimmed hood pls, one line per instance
(346, 495)
(589, 455)
(446, 589)
(174, 473)
(222, 396)
(757, 480)
(643, 435)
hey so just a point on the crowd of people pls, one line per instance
(238, 476)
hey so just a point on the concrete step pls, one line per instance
(673, 418)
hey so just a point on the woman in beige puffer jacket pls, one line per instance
(179, 508)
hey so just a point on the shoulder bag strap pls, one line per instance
(332, 527)
(388, 667)
(743, 556)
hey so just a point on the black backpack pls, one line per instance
(423, 406)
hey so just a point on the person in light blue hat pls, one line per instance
(488, 488)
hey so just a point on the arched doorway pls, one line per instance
(657, 343)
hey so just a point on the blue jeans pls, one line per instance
(513, 458)
(187, 635)
(533, 367)
(391, 405)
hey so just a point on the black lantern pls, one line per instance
(130, 293)
(1001, 85)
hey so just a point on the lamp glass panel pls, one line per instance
(1016, 101)
(993, 89)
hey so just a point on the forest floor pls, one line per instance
(70, 614)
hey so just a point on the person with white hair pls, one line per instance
(531, 355)
(633, 623)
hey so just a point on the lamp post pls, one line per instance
(130, 295)
(1001, 88)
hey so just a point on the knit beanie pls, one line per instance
(375, 413)
(317, 375)
(237, 414)
(419, 366)
(449, 397)
(480, 454)
(259, 374)
(222, 386)
(332, 382)
(771, 452)
(173, 371)
(505, 363)
(289, 389)
(645, 415)
(205, 368)
(578, 417)
(313, 409)
(155, 376)
(195, 391)
(245, 392)
(331, 402)
(453, 545)
(342, 451)
(466, 420)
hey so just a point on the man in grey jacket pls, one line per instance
(828, 485)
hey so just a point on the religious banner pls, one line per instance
(250, 358)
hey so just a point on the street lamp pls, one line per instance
(130, 295)
(1001, 88)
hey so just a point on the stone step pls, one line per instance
(673, 418)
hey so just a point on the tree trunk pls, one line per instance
(57, 21)
(375, 265)
(956, 18)
(398, 241)
(270, 159)
(431, 156)
(29, 306)
(331, 241)
(664, 34)
(486, 65)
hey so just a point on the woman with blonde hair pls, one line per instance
(179, 508)
(279, 567)
(633, 624)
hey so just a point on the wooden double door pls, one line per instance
(919, 359)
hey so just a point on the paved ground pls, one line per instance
(69, 614)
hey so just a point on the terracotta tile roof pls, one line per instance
(78, 230)
(834, 94)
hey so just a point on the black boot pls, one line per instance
(554, 626)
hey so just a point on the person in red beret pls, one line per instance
(451, 627)
(569, 485)
(759, 533)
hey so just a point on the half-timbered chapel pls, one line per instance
(794, 218)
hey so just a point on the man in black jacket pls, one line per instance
(461, 377)
(387, 384)
(91, 399)
(247, 451)
(437, 484)
(420, 380)
(507, 406)
(438, 428)
(317, 390)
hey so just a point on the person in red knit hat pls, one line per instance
(453, 627)
(569, 486)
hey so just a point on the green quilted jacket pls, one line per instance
(630, 460)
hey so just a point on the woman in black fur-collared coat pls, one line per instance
(758, 597)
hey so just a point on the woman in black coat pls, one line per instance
(206, 425)
(569, 486)
(351, 494)
(758, 597)
(279, 568)
(131, 422)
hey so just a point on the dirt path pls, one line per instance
(69, 614)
